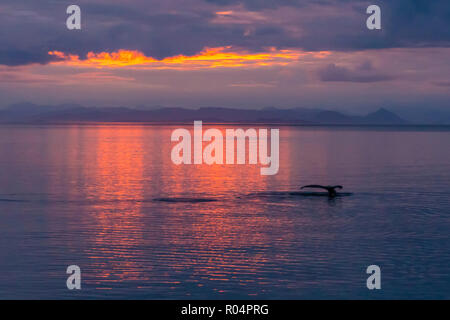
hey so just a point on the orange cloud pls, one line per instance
(221, 57)
(224, 13)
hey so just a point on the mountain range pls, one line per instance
(69, 113)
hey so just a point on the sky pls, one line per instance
(226, 53)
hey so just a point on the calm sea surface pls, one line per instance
(89, 195)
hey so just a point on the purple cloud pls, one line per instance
(364, 73)
(166, 28)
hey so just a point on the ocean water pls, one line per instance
(108, 199)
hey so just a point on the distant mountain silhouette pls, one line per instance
(334, 117)
(30, 113)
(424, 114)
(384, 116)
(381, 116)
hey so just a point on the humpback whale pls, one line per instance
(331, 189)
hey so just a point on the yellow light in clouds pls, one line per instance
(221, 57)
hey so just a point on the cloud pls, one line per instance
(16, 78)
(249, 85)
(16, 57)
(264, 4)
(364, 73)
(162, 29)
(222, 57)
(98, 77)
(442, 83)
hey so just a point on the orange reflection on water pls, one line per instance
(119, 170)
(219, 229)
(116, 186)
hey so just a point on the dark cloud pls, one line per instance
(166, 28)
(442, 83)
(14, 57)
(270, 4)
(364, 73)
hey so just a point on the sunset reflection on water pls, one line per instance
(109, 199)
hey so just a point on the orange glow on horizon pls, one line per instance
(220, 57)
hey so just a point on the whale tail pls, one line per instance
(331, 189)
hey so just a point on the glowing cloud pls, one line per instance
(224, 13)
(221, 57)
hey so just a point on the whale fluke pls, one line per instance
(331, 189)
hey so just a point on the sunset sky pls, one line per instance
(250, 54)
